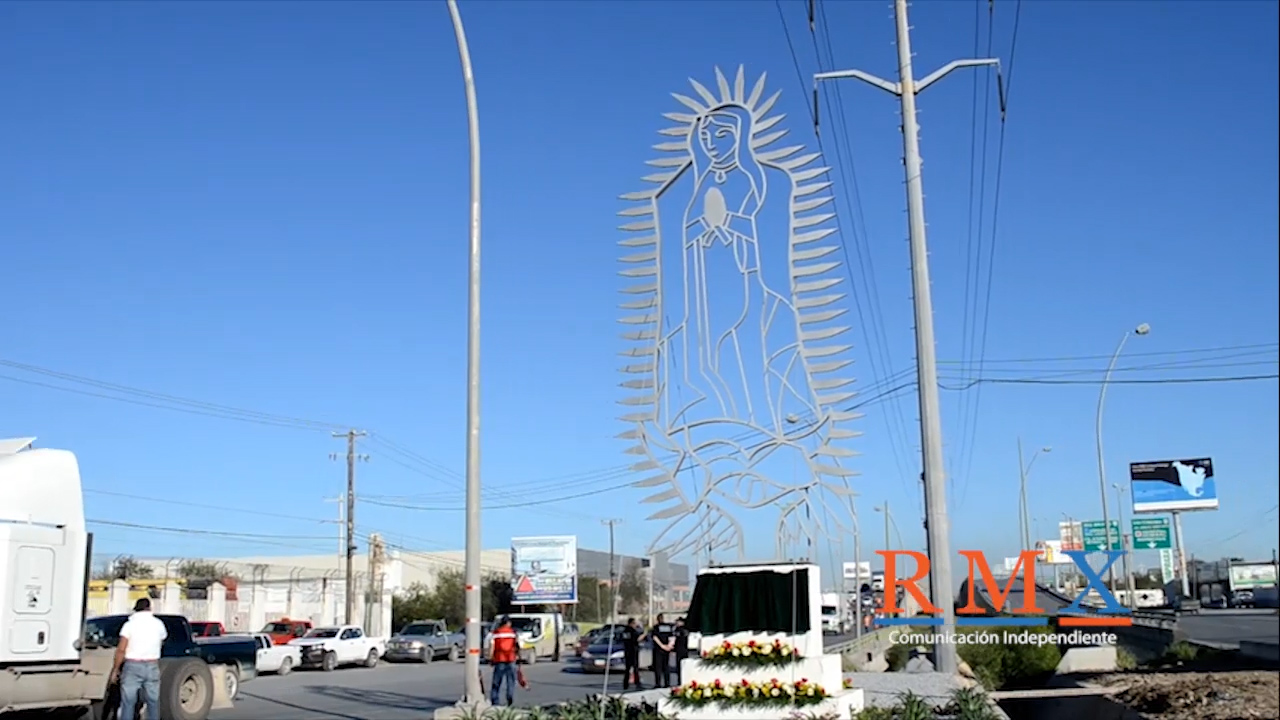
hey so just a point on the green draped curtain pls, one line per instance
(761, 601)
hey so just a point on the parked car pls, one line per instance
(284, 630)
(205, 628)
(424, 641)
(278, 659)
(330, 647)
(605, 651)
(238, 654)
(585, 641)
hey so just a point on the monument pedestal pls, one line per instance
(811, 666)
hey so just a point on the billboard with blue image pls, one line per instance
(1173, 486)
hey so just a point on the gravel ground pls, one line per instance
(1241, 695)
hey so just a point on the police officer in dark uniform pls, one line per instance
(682, 645)
(631, 636)
(664, 638)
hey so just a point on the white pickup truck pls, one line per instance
(329, 647)
(279, 659)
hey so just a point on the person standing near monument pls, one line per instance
(664, 637)
(681, 645)
(631, 635)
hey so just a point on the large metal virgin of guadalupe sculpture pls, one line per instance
(740, 394)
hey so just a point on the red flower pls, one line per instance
(746, 682)
(675, 692)
(718, 685)
(795, 651)
(751, 643)
(693, 683)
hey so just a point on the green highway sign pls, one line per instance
(1095, 537)
(1152, 534)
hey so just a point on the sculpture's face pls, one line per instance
(718, 136)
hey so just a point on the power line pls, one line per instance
(1131, 381)
(219, 533)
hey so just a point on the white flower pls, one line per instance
(775, 692)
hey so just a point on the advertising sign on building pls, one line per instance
(544, 570)
(1173, 485)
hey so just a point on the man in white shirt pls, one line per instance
(137, 661)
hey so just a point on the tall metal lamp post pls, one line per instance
(471, 676)
(1142, 329)
(1024, 469)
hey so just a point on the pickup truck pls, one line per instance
(329, 647)
(238, 655)
(205, 628)
(278, 659)
(424, 641)
(284, 630)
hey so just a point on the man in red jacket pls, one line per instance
(503, 653)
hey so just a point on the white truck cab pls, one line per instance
(45, 662)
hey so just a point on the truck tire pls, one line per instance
(453, 653)
(286, 666)
(329, 662)
(428, 654)
(530, 657)
(233, 674)
(371, 660)
(186, 690)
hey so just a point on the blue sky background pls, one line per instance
(263, 205)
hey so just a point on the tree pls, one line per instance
(447, 600)
(127, 567)
(633, 588)
(593, 600)
(200, 570)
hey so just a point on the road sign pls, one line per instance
(1152, 534)
(1167, 570)
(1095, 537)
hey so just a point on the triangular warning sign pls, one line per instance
(524, 585)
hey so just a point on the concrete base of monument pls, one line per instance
(462, 710)
(841, 704)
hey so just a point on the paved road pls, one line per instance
(397, 692)
(394, 692)
(1231, 626)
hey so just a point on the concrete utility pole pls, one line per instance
(473, 694)
(613, 573)
(351, 436)
(942, 591)
(377, 555)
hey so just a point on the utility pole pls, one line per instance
(350, 572)
(613, 574)
(377, 553)
(938, 530)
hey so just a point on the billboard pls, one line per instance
(1173, 485)
(1252, 575)
(857, 571)
(1071, 535)
(544, 570)
(1051, 553)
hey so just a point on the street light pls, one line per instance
(1023, 471)
(473, 693)
(1142, 329)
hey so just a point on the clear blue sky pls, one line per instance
(263, 205)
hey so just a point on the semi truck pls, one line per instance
(48, 662)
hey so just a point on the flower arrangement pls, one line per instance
(751, 654)
(771, 692)
(848, 684)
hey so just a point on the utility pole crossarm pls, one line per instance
(945, 70)
(892, 88)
